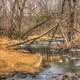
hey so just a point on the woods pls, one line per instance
(21, 20)
(31, 23)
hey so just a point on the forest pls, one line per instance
(35, 34)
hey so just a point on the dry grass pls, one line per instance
(55, 58)
(43, 38)
(11, 60)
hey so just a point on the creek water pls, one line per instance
(50, 73)
(54, 69)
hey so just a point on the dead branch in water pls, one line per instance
(33, 39)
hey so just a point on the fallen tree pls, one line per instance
(33, 39)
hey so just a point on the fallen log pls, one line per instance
(12, 61)
(33, 39)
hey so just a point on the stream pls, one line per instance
(50, 73)
(53, 70)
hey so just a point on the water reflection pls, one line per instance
(51, 72)
(55, 69)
